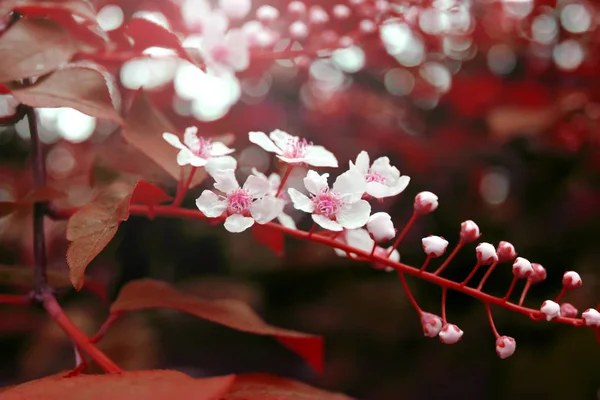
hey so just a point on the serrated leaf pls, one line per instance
(148, 194)
(147, 293)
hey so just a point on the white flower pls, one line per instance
(591, 317)
(242, 206)
(335, 209)
(434, 246)
(224, 52)
(486, 253)
(382, 179)
(522, 268)
(201, 152)
(274, 182)
(571, 280)
(431, 323)
(293, 150)
(505, 346)
(381, 227)
(550, 309)
(450, 334)
(361, 239)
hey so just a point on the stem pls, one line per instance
(182, 188)
(104, 328)
(510, 289)
(560, 295)
(525, 290)
(486, 276)
(409, 293)
(450, 257)
(284, 179)
(444, 295)
(410, 222)
(373, 249)
(491, 319)
(468, 278)
(312, 230)
(15, 299)
(425, 264)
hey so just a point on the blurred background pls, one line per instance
(492, 105)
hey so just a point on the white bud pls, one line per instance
(434, 246)
(450, 334)
(571, 280)
(267, 13)
(469, 231)
(381, 252)
(591, 317)
(425, 202)
(539, 273)
(431, 323)
(381, 227)
(551, 309)
(506, 252)
(505, 346)
(522, 268)
(486, 253)
(568, 310)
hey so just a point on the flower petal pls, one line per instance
(210, 204)
(400, 185)
(287, 221)
(360, 239)
(262, 140)
(225, 180)
(362, 162)
(173, 140)
(215, 164)
(257, 187)
(185, 157)
(220, 149)
(318, 156)
(382, 166)
(350, 183)
(190, 138)
(236, 223)
(327, 223)
(301, 202)
(378, 190)
(316, 183)
(266, 209)
(354, 215)
(291, 160)
(280, 138)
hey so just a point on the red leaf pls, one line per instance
(33, 47)
(147, 293)
(82, 8)
(271, 238)
(142, 385)
(144, 126)
(83, 86)
(148, 194)
(270, 387)
(146, 33)
(92, 227)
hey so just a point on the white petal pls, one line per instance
(351, 183)
(378, 190)
(274, 181)
(291, 160)
(225, 180)
(210, 204)
(400, 185)
(326, 223)
(339, 252)
(280, 138)
(220, 149)
(185, 157)
(360, 239)
(173, 140)
(190, 137)
(382, 166)
(198, 161)
(239, 57)
(215, 164)
(286, 221)
(362, 162)
(261, 139)
(316, 183)
(256, 186)
(266, 209)
(318, 156)
(354, 215)
(258, 173)
(236, 223)
(301, 202)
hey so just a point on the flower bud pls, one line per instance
(381, 252)
(469, 231)
(486, 253)
(571, 280)
(591, 317)
(539, 273)
(506, 252)
(434, 246)
(425, 202)
(568, 310)
(431, 323)
(522, 268)
(381, 227)
(450, 334)
(550, 309)
(505, 346)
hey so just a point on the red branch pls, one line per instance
(15, 299)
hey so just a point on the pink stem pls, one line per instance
(182, 188)
(444, 295)
(561, 294)
(491, 319)
(510, 289)
(486, 276)
(525, 290)
(284, 179)
(450, 257)
(410, 222)
(409, 293)
(425, 264)
(463, 283)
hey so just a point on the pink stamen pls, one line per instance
(327, 204)
(373, 176)
(238, 202)
(296, 147)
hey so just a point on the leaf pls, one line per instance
(271, 238)
(92, 227)
(146, 33)
(33, 47)
(135, 385)
(144, 126)
(82, 8)
(148, 194)
(270, 387)
(84, 86)
(147, 293)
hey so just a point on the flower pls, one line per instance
(505, 346)
(274, 183)
(223, 52)
(361, 239)
(381, 178)
(335, 209)
(450, 334)
(434, 246)
(201, 152)
(242, 206)
(381, 227)
(425, 202)
(293, 150)
(431, 323)
(550, 309)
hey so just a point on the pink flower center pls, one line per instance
(296, 148)
(238, 202)
(326, 204)
(373, 176)
(201, 147)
